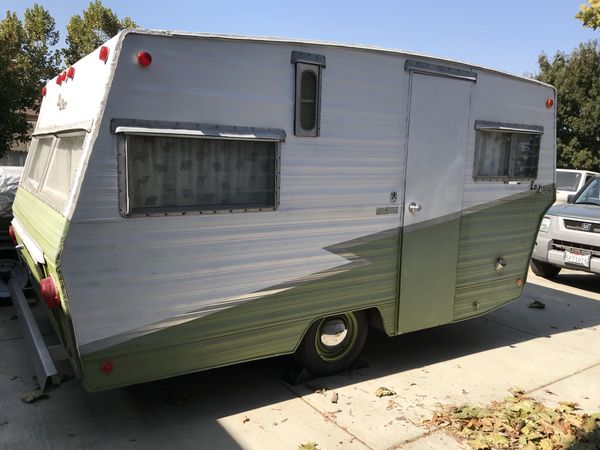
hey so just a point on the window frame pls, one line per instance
(512, 129)
(49, 199)
(304, 62)
(195, 131)
(26, 180)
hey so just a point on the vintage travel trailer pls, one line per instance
(191, 201)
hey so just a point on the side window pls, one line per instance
(37, 160)
(168, 174)
(307, 112)
(506, 153)
(60, 175)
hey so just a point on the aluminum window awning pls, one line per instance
(509, 127)
(164, 128)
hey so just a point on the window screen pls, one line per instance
(37, 160)
(61, 170)
(506, 155)
(175, 174)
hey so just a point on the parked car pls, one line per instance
(569, 182)
(10, 264)
(569, 235)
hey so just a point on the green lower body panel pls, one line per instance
(428, 278)
(456, 279)
(267, 326)
(505, 230)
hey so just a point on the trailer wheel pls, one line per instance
(333, 343)
(542, 269)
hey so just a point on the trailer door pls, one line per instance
(435, 172)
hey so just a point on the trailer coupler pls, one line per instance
(43, 363)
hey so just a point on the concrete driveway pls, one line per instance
(552, 353)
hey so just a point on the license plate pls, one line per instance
(577, 258)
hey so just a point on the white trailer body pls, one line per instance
(235, 195)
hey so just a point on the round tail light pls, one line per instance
(49, 293)
(144, 59)
(13, 236)
(106, 367)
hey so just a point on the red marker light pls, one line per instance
(71, 72)
(49, 292)
(106, 367)
(144, 59)
(43, 91)
(103, 55)
(59, 79)
(549, 103)
(13, 236)
(519, 282)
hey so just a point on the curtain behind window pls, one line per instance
(174, 173)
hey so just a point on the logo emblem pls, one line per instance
(61, 103)
(586, 226)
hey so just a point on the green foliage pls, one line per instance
(589, 14)
(26, 60)
(85, 34)
(576, 77)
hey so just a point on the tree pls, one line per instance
(85, 34)
(589, 14)
(576, 77)
(26, 61)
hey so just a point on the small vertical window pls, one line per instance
(506, 151)
(308, 100)
(308, 93)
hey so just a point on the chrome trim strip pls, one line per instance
(34, 249)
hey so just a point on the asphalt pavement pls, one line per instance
(552, 353)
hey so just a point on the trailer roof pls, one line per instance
(327, 44)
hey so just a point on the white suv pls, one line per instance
(569, 235)
(569, 182)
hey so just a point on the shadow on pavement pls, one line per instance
(586, 281)
(190, 410)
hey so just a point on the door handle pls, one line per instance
(414, 208)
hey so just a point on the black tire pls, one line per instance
(542, 269)
(322, 359)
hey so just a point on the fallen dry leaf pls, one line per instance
(537, 305)
(33, 396)
(520, 422)
(383, 392)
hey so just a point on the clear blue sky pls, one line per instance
(507, 34)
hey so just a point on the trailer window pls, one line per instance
(177, 175)
(36, 163)
(61, 170)
(308, 99)
(502, 155)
